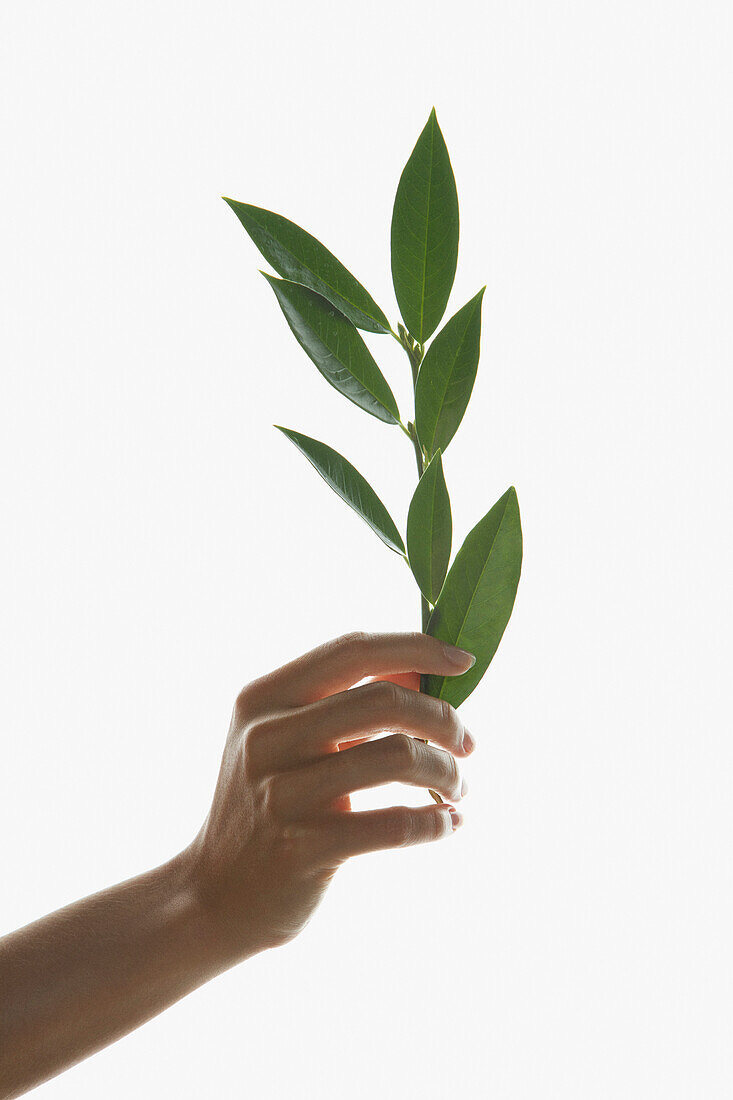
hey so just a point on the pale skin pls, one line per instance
(301, 739)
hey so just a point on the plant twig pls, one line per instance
(415, 353)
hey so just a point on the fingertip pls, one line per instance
(455, 818)
(460, 658)
(469, 743)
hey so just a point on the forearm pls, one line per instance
(82, 977)
(279, 827)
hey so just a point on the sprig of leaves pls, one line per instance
(468, 604)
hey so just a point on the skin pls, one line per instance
(280, 825)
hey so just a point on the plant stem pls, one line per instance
(415, 354)
(424, 605)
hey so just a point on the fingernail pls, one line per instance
(458, 656)
(464, 788)
(468, 742)
(456, 818)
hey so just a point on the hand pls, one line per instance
(281, 823)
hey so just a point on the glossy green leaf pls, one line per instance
(429, 530)
(446, 377)
(298, 256)
(425, 233)
(346, 480)
(336, 348)
(477, 598)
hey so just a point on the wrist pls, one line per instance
(221, 930)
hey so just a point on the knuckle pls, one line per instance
(437, 827)
(387, 695)
(401, 827)
(453, 776)
(257, 737)
(252, 699)
(371, 692)
(399, 698)
(244, 704)
(401, 750)
(355, 639)
(450, 717)
(263, 727)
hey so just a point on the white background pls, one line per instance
(162, 544)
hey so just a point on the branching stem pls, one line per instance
(415, 353)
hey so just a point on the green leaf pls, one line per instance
(477, 598)
(345, 480)
(298, 256)
(336, 348)
(425, 233)
(446, 377)
(429, 530)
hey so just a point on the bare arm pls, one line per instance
(279, 827)
(82, 977)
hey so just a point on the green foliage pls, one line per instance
(446, 377)
(298, 256)
(468, 605)
(430, 530)
(336, 348)
(425, 234)
(477, 598)
(346, 480)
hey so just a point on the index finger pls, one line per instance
(338, 664)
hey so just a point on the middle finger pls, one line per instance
(303, 734)
(398, 758)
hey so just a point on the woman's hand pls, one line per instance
(281, 822)
(279, 827)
